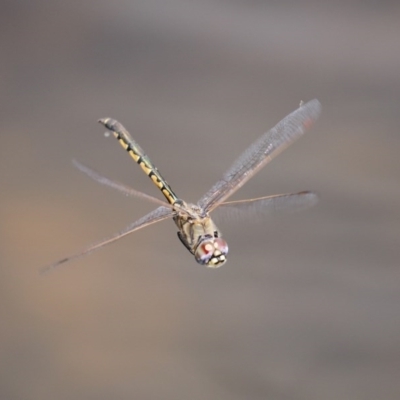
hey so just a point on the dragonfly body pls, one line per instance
(196, 230)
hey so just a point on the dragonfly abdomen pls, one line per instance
(140, 157)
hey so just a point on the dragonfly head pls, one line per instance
(211, 252)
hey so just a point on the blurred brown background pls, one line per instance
(308, 305)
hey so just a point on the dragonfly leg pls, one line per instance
(184, 242)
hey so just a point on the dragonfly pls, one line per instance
(196, 229)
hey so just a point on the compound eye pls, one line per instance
(204, 252)
(221, 245)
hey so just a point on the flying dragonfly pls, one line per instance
(196, 230)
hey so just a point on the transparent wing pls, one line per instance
(117, 185)
(156, 215)
(263, 150)
(252, 209)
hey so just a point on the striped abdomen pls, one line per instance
(137, 153)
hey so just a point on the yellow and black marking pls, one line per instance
(137, 153)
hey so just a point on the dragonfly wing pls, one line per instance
(263, 150)
(252, 209)
(128, 191)
(156, 215)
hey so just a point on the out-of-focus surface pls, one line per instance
(308, 305)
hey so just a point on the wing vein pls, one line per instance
(262, 151)
(156, 215)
